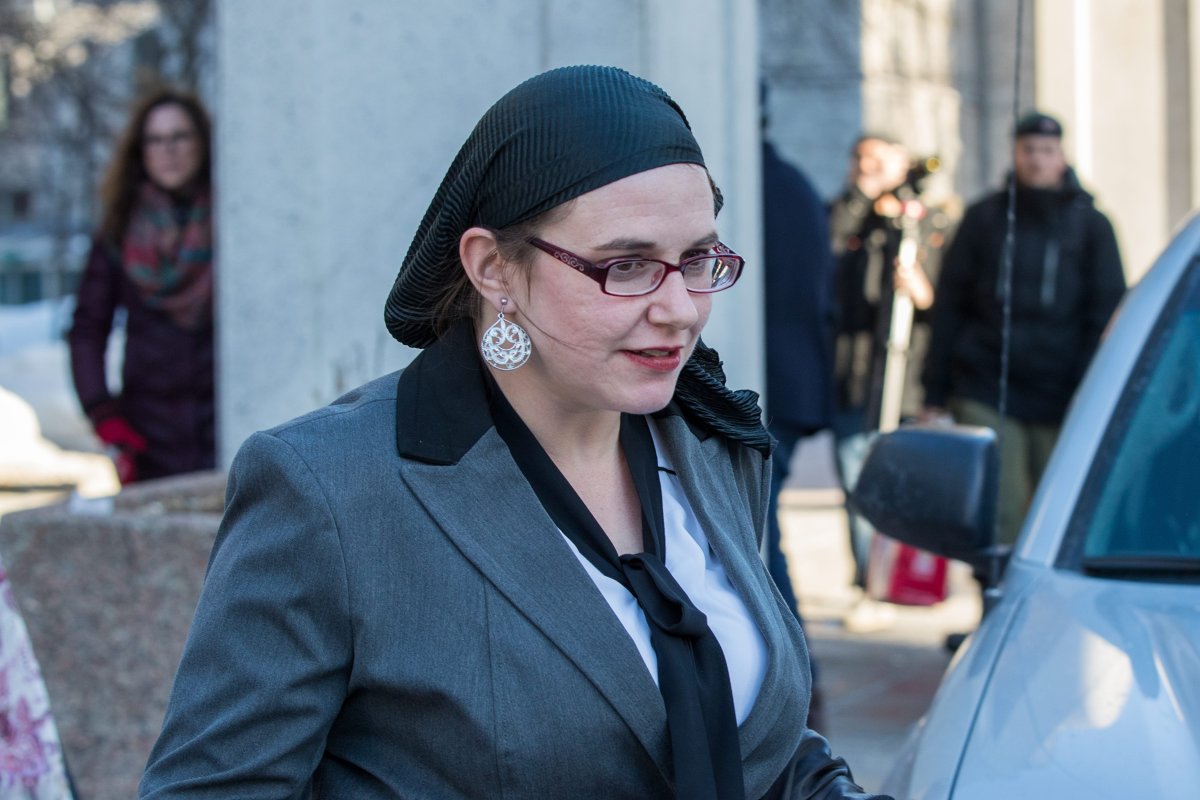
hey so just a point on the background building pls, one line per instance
(338, 121)
(337, 118)
(70, 71)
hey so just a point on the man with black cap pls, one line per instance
(1066, 281)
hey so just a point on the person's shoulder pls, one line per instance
(348, 443)
(847, 198)
(989, 202)
(1093, 211)
(847, 211)
(1076, 197)
(984, 213)
(364, 411)
(103, 249)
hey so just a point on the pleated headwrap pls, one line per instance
(553, 138)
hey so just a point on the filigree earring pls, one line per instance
(505, 345)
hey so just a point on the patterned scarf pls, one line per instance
(169, 260)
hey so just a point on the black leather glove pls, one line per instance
(815, 773)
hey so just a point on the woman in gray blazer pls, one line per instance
(527, 565)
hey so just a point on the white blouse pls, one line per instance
(694, 565)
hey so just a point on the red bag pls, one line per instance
(898, 573)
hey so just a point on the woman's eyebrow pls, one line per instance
(626, 244)
(641, 244)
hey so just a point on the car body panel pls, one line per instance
(924, 770)
(1095, 693)
(1074, 685)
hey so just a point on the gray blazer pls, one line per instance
(389, 613)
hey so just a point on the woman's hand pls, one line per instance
(116, 431)
(118, 434)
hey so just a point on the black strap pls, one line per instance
(692, 675)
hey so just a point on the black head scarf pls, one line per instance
(555, 137)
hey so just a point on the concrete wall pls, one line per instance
(908, 86)
(337, 120)
(1122, 75)
(1192, 69)
(941, 74)
(811, 53)
(837, 68)
(984, 55)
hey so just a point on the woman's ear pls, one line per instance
(480, 256)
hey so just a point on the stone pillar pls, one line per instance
(336, 122)
(836, 69)
(1119, 78)
(985, 51)
(1193, 95)
(1181, 25)
(719, 93)
(812, 53)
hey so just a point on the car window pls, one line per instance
(1139, 513)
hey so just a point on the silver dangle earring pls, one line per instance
(505, 345)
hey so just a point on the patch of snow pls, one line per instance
(35, 366)
(29, 324)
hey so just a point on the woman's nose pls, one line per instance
(672, 304)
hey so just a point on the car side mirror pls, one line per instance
(933, 488)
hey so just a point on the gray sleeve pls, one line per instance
(267, 661)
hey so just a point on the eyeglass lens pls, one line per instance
(704, 274)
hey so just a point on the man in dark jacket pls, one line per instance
(1066, 281)
(797, 272)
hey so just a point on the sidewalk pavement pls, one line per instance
(875, 685)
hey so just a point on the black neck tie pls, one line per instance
(692, 674)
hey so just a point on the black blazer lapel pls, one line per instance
(707, 476)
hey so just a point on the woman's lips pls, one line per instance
(658, 359)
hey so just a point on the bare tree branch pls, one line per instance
(72, 77)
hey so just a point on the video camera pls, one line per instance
(918, 173)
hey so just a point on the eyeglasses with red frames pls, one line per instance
(630, 277)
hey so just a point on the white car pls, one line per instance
(1083, 679)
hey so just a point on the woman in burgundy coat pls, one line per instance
(152, 256)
